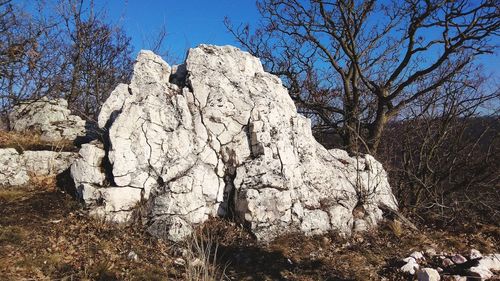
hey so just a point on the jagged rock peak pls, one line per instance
(218, 136)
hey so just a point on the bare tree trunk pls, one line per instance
(351, 125)
(376, 128)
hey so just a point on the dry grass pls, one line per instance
(9, 194)
(25, 141)
(396, 227)
(45, 236)
(47, 182)
(12, 235)
(372, 256)
(201, 257)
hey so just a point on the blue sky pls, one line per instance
(188, 22)
(192, 22)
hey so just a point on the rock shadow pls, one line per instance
(65, 183)
(92, 132)
(253, 262)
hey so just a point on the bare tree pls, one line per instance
(72, 53)
(443, 156)
(156, 41)
(98, 55)
(355, 65)
(30, 58)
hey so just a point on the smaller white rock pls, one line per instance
(44, 163)
(458, 278)
(491, 261)
(87, 168)
(196, 263)
(430, 252)
(180, 261)
(132, 256)
(475, 254)
(428, 274)
(485, 266)
(409, 259)
(360, 225)
(13, 172)
(410, 267)
(458, 259)
(417, 255)
(480, 272)
(51, 118)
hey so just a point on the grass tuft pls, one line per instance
(201, 257)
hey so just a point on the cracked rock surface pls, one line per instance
(218, 136)
(17, 168)
(51, 118)
(12, 172)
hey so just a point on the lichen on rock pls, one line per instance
(218, 136)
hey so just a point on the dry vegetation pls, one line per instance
(45, 235)
(23, 141)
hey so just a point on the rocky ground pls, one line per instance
(44, 235)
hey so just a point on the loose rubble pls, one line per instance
(451, 267)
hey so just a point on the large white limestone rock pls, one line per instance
(49, 117)
(228, 143)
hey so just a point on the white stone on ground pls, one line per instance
(428, 274)
(410, 267)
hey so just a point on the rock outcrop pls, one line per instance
(49, 117)
(218, 136)
(18, 168)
